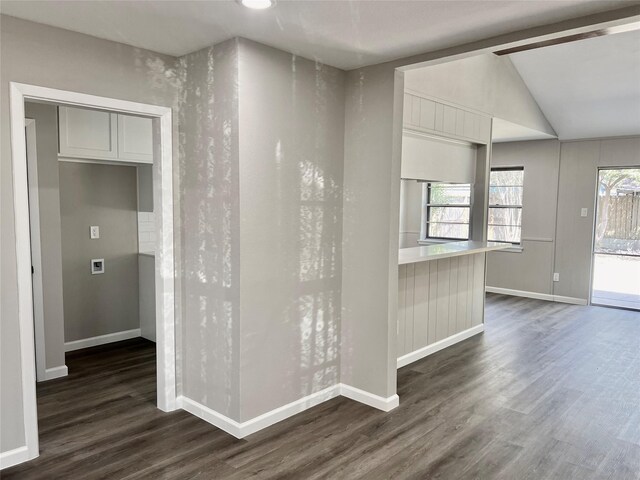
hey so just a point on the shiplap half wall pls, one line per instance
(438, 299)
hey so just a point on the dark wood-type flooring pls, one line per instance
(548, 391)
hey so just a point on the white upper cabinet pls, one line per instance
(87, 133)
(135, 139)
(96, 135)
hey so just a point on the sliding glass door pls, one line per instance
(616, 246)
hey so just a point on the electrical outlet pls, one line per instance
(583, 212)
(556, 277)
(97, 266)
(95, 232)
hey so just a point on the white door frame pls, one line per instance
(163, 199)
(36, 257)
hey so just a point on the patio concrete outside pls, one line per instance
(616, 281)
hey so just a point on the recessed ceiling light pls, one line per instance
(257, 4)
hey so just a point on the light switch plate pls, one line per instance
(583, 212)
(556, 277)
(95, 232)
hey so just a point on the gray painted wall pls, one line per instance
(38, 54)
(410, 212)
(532, 269)
(291, 157)
(579, 162)
(145, 188)
(147, 295)
(374, 97)
(103, 195)
(210, 197)
(46, 117)
(486, 83)
(560, 180)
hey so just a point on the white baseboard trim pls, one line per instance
(381, 403)
(210, 416)
(572, 300)
(436, 347)
(101, 340)
(14, 457)
(243, 429)
(56, 372)
(538, 296)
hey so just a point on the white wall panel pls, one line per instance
(438, 299)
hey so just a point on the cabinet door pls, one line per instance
(135, 139)
(87, 133)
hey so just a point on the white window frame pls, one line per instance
(426, 205)
(521, 206)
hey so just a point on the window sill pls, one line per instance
(513, 249)
(434, 241)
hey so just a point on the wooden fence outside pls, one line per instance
(624, 218)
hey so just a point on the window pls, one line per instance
(505, 204)
(448, 210)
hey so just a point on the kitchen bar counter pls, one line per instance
(446, 250)
(440, 296)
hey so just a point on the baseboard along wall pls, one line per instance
(536, 295)
(56, 372)
(243, 429)
(101, 340)
(14, 457)
(437, 346)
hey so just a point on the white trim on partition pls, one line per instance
(163, 197)
(243, 429)
(56, 372)
(437, 346)
(381, 403)
(536, 295)
(14, 457)
(101, 340)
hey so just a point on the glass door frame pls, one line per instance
(593, 235)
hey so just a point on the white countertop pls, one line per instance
(446, 250)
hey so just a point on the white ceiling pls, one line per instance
(586, 89)
(345, 34)
(506, 131)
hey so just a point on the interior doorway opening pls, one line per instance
(616, 245)
(163, 274)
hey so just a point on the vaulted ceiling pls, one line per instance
(345, 34)
(589, 88)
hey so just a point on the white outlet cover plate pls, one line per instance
(97, 266)
(95, 232)
(583, 212)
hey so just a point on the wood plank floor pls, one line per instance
(549, 391)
